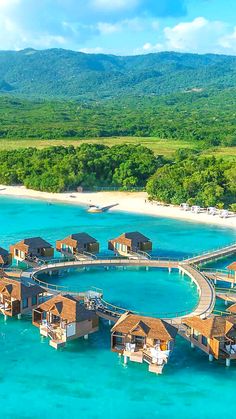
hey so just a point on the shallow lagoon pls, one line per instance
(86, 380)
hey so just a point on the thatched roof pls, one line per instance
(211, 327)
(144, 326)
(4, 255)
(135, 235)
(78, 238)
(67, 307)
(3, 252)
(132, 239)
(15, 289)
(32, 243)
(232, 267)
(232, 309)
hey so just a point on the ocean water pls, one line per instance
(86, 380)
(135, 289)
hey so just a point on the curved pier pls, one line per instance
(206, 290)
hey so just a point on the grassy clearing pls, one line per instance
(159, 146)
(227, 153)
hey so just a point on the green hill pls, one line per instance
(67, 74)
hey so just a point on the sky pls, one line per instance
(121, 27)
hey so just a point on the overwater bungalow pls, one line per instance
(143, 339)
(216, 336)
(130, 243)
(32, 249)
(17, 298)
(232, 270)
(63, 318)
(5, 257)
(78, 243)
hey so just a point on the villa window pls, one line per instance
(34, 300)
(25, 303)
(16, 252)
(204, 341)
(118, 340)
(138, 340)
(195, 334)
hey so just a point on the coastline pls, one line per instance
(128, 201)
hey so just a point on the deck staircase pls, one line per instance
(85, 256)
(157, 369)
(139, 255)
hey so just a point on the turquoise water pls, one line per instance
(136, 289)
(86, 380)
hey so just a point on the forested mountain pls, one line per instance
(197, 118)
(68, 74)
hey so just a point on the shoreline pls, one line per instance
(133, 202)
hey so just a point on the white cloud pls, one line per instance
(108, 28)
(15, 37)
(125, 24)
(131, 25)
(199, 36)
(6, 4)
(148, 48)
(228, 42)
(96, 50)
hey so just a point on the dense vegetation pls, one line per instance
(61, 73)
(196, 180)
(206, 118)
(57, 169)
(188, 177)
(64, 95)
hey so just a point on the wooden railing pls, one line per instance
(115, 310)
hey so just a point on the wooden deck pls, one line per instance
(228, 297)
(213, 255)
(220, 276)
(206, 290)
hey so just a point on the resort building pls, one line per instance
(143, 339)
(216, 336)
(232, 270)
(63, 318)
(31, 249)
(78, 243)
(129, 243)
(17, 298)
(5, 257)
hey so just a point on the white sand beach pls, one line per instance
(135, 202)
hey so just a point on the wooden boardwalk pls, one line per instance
(206, 291)
(212, 255)
(220, 276)
(106, 310)
(228, 297)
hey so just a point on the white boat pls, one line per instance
(95, 208)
